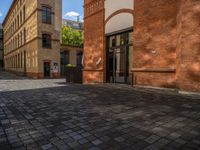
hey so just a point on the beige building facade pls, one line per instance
(32, 38)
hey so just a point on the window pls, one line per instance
(21, 38)
(15, 24)
(21, 60)
(18, 61)
(16, 42)
(18, 38)
(46, 40)
(24, 13)
(24, 36)
(18, 21)
(1, 33)
(20, 17)
(79, 57)
(1, 44)
(46, 15)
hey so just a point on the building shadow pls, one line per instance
(68, 113)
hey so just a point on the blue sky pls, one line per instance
(71, 9)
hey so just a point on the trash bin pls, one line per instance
(74, 74)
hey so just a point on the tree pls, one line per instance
(72, 37)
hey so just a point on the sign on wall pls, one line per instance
(55, 67)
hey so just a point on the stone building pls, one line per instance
(1, 47)
(71, 54)
(32, 38)
(143, 42)
(77, 25)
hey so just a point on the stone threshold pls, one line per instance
(189, 93)
(171, 90)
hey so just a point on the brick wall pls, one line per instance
(188, 46)
(155, 42)
(166, 44)
(166, 36)
(94, 44)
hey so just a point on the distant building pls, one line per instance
(1, 46)
(32, 38)
(70, 55)
(73, 24)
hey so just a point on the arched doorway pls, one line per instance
(119, 40)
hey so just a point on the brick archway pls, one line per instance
(130, 11)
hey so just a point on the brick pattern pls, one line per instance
(165, 38)
(153, 44)
(93, 7)
(94, 46)
(188, 56)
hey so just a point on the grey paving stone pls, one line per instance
(73, 144)
(119, 139)
(175, 135)
(47, 146)
(96, 142)
(95, 148)
(105, 137)
(52, 114)
(68, 140)
(152, 139)
(77, 137)
(91, 138)
(83, 141)
(85, 134)
(151, 147)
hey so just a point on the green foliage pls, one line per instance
(72, 37)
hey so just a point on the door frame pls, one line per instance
(107, 36)
(24, 62)
(47, 61)
(126, 64)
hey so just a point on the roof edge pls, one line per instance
(8, 13)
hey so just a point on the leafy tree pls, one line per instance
(72, 37)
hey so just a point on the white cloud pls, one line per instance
(72, 14)
(1, 14)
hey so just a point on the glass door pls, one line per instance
(118, 65)
(119, 58)
(46, 69)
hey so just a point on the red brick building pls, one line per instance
(143, 42)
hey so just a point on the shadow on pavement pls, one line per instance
(86, 116)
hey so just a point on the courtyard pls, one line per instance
(49, 114)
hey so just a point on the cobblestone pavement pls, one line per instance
(48, 115)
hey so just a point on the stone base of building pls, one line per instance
(41, 75)
(93, 77)
(156, 80)
(36, 75)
